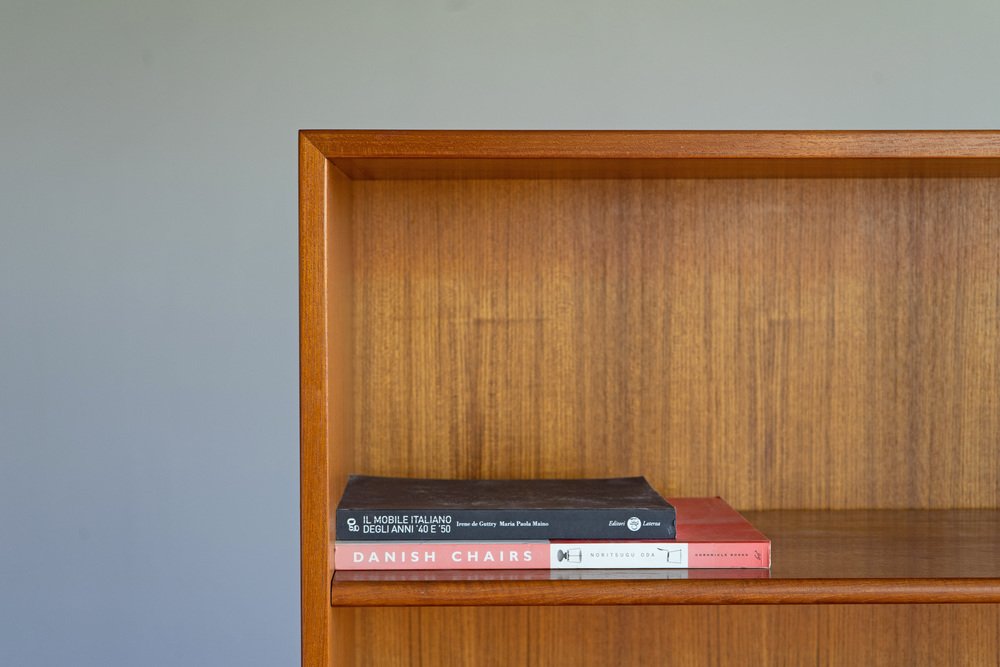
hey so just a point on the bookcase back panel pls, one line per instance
(783, 343)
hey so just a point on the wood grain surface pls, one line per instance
(655, 144)
(823, 343)
(355, 592)
(698, 636)
(339, 352)
(594, 168)
(404, 154)
(314, 404)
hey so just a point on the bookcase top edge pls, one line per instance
(656, 144)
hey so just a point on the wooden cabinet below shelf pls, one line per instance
(685, 636)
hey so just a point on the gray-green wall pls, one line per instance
(148, 359)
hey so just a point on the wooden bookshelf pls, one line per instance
(805, 323)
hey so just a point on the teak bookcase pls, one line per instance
(804, 323)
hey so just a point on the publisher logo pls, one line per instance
(634, 524)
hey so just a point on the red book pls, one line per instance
(710, 534)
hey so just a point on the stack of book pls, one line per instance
(385, 523)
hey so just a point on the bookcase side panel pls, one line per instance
(313, 405)
(325, 376)
(340, 333)
(340, 345)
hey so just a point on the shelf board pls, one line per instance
(856, 556)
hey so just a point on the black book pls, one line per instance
(391, 508)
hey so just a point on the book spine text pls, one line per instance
(548, 555)
(487, 525)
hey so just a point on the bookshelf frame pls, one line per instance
(948, 182)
